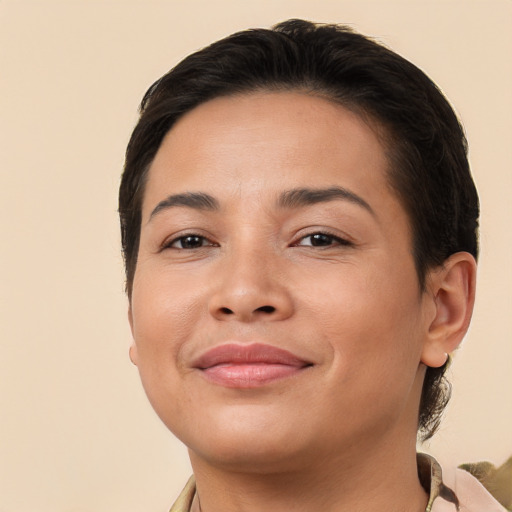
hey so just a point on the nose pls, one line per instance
(251, 287)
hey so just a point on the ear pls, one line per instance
(452, 288)
(133, 347)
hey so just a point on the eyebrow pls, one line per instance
(295, 198)
(299, 197)
(195, 200)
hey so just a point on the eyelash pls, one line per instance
(334, 241)
(171, 243)
(338, 241)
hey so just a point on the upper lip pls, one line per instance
(254, 353)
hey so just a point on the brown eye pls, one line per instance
(189, 242)
(322, 240)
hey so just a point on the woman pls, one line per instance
(299, 228)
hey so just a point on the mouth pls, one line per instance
(248, 366)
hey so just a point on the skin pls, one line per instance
(332, 282)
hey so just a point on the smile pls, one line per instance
(248, 366)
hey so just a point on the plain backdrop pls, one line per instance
(76, 432)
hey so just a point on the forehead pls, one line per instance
(256, 143)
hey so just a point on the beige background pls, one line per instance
(76, 433)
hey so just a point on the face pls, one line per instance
(276, 310)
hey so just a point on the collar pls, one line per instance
(430, 474)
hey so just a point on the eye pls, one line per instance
(322, 240)
(190, 241)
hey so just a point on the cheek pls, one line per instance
(374, 329)
(168, 317)
(371, 317)
(164, 313)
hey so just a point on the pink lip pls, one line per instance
(248, 366)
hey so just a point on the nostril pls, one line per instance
(266, 309)
(226, 311)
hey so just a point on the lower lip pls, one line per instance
(249, 375)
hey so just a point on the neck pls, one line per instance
(382, 478)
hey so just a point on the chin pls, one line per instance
(247, 443)
(250, 457)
